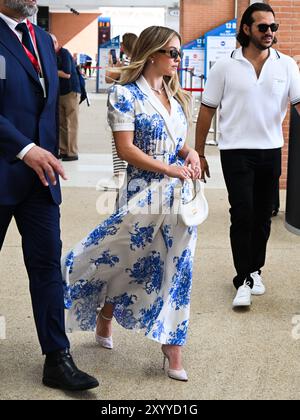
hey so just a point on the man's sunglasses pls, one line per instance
(263, 27)
(173, 53)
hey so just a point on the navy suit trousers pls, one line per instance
(38, 218)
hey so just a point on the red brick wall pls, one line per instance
(199, 16)
(242, 6)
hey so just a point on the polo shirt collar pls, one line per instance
(238, 54)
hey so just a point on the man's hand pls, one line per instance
(44, 163)
(204, 168)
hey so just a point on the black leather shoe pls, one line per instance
(62, 156)
(61, 372)
(69, 158)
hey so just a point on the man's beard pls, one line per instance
(259, 45)
(21, 7)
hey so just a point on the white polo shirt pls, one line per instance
(252, 109)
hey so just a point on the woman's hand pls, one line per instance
(181, 172)
(193, 161)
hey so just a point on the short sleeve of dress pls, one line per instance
(121, 109)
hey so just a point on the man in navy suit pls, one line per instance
(29, 174)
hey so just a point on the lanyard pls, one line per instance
(32, 58)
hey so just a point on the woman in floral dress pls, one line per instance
(137, 265)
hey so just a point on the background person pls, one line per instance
(70, 92)
(88, 65)
(119, 165)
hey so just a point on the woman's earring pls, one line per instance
(152, 61)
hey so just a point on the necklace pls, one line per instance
(159, 91)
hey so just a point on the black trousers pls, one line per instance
(37, 219)
(251, 178)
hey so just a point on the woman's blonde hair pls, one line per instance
(150, 41)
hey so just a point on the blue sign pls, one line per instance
(196, 44)
(113, 43)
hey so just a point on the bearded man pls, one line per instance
(29, 173)
(253, 88)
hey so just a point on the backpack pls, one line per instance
(83, 92)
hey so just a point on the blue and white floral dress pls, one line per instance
(141, 258)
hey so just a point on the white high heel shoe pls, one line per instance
(106, 342)
(177, 374)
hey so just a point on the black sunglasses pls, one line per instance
(173, 53)
(263, 27)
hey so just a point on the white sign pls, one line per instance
(219, 47)
(104, 53)
(219, 43)
(193, 64)
(104, 64)
(194, 60)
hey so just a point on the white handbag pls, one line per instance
(194, 211)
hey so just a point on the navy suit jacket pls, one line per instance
(25, 115)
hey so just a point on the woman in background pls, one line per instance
(119, 165)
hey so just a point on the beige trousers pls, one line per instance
(68, 125)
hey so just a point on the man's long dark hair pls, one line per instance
(247, 19)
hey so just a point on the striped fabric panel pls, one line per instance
(119, 165)
(295, 101)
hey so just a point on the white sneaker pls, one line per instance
(258, 286)
(243, 296)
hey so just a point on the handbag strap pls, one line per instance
(196, 189)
